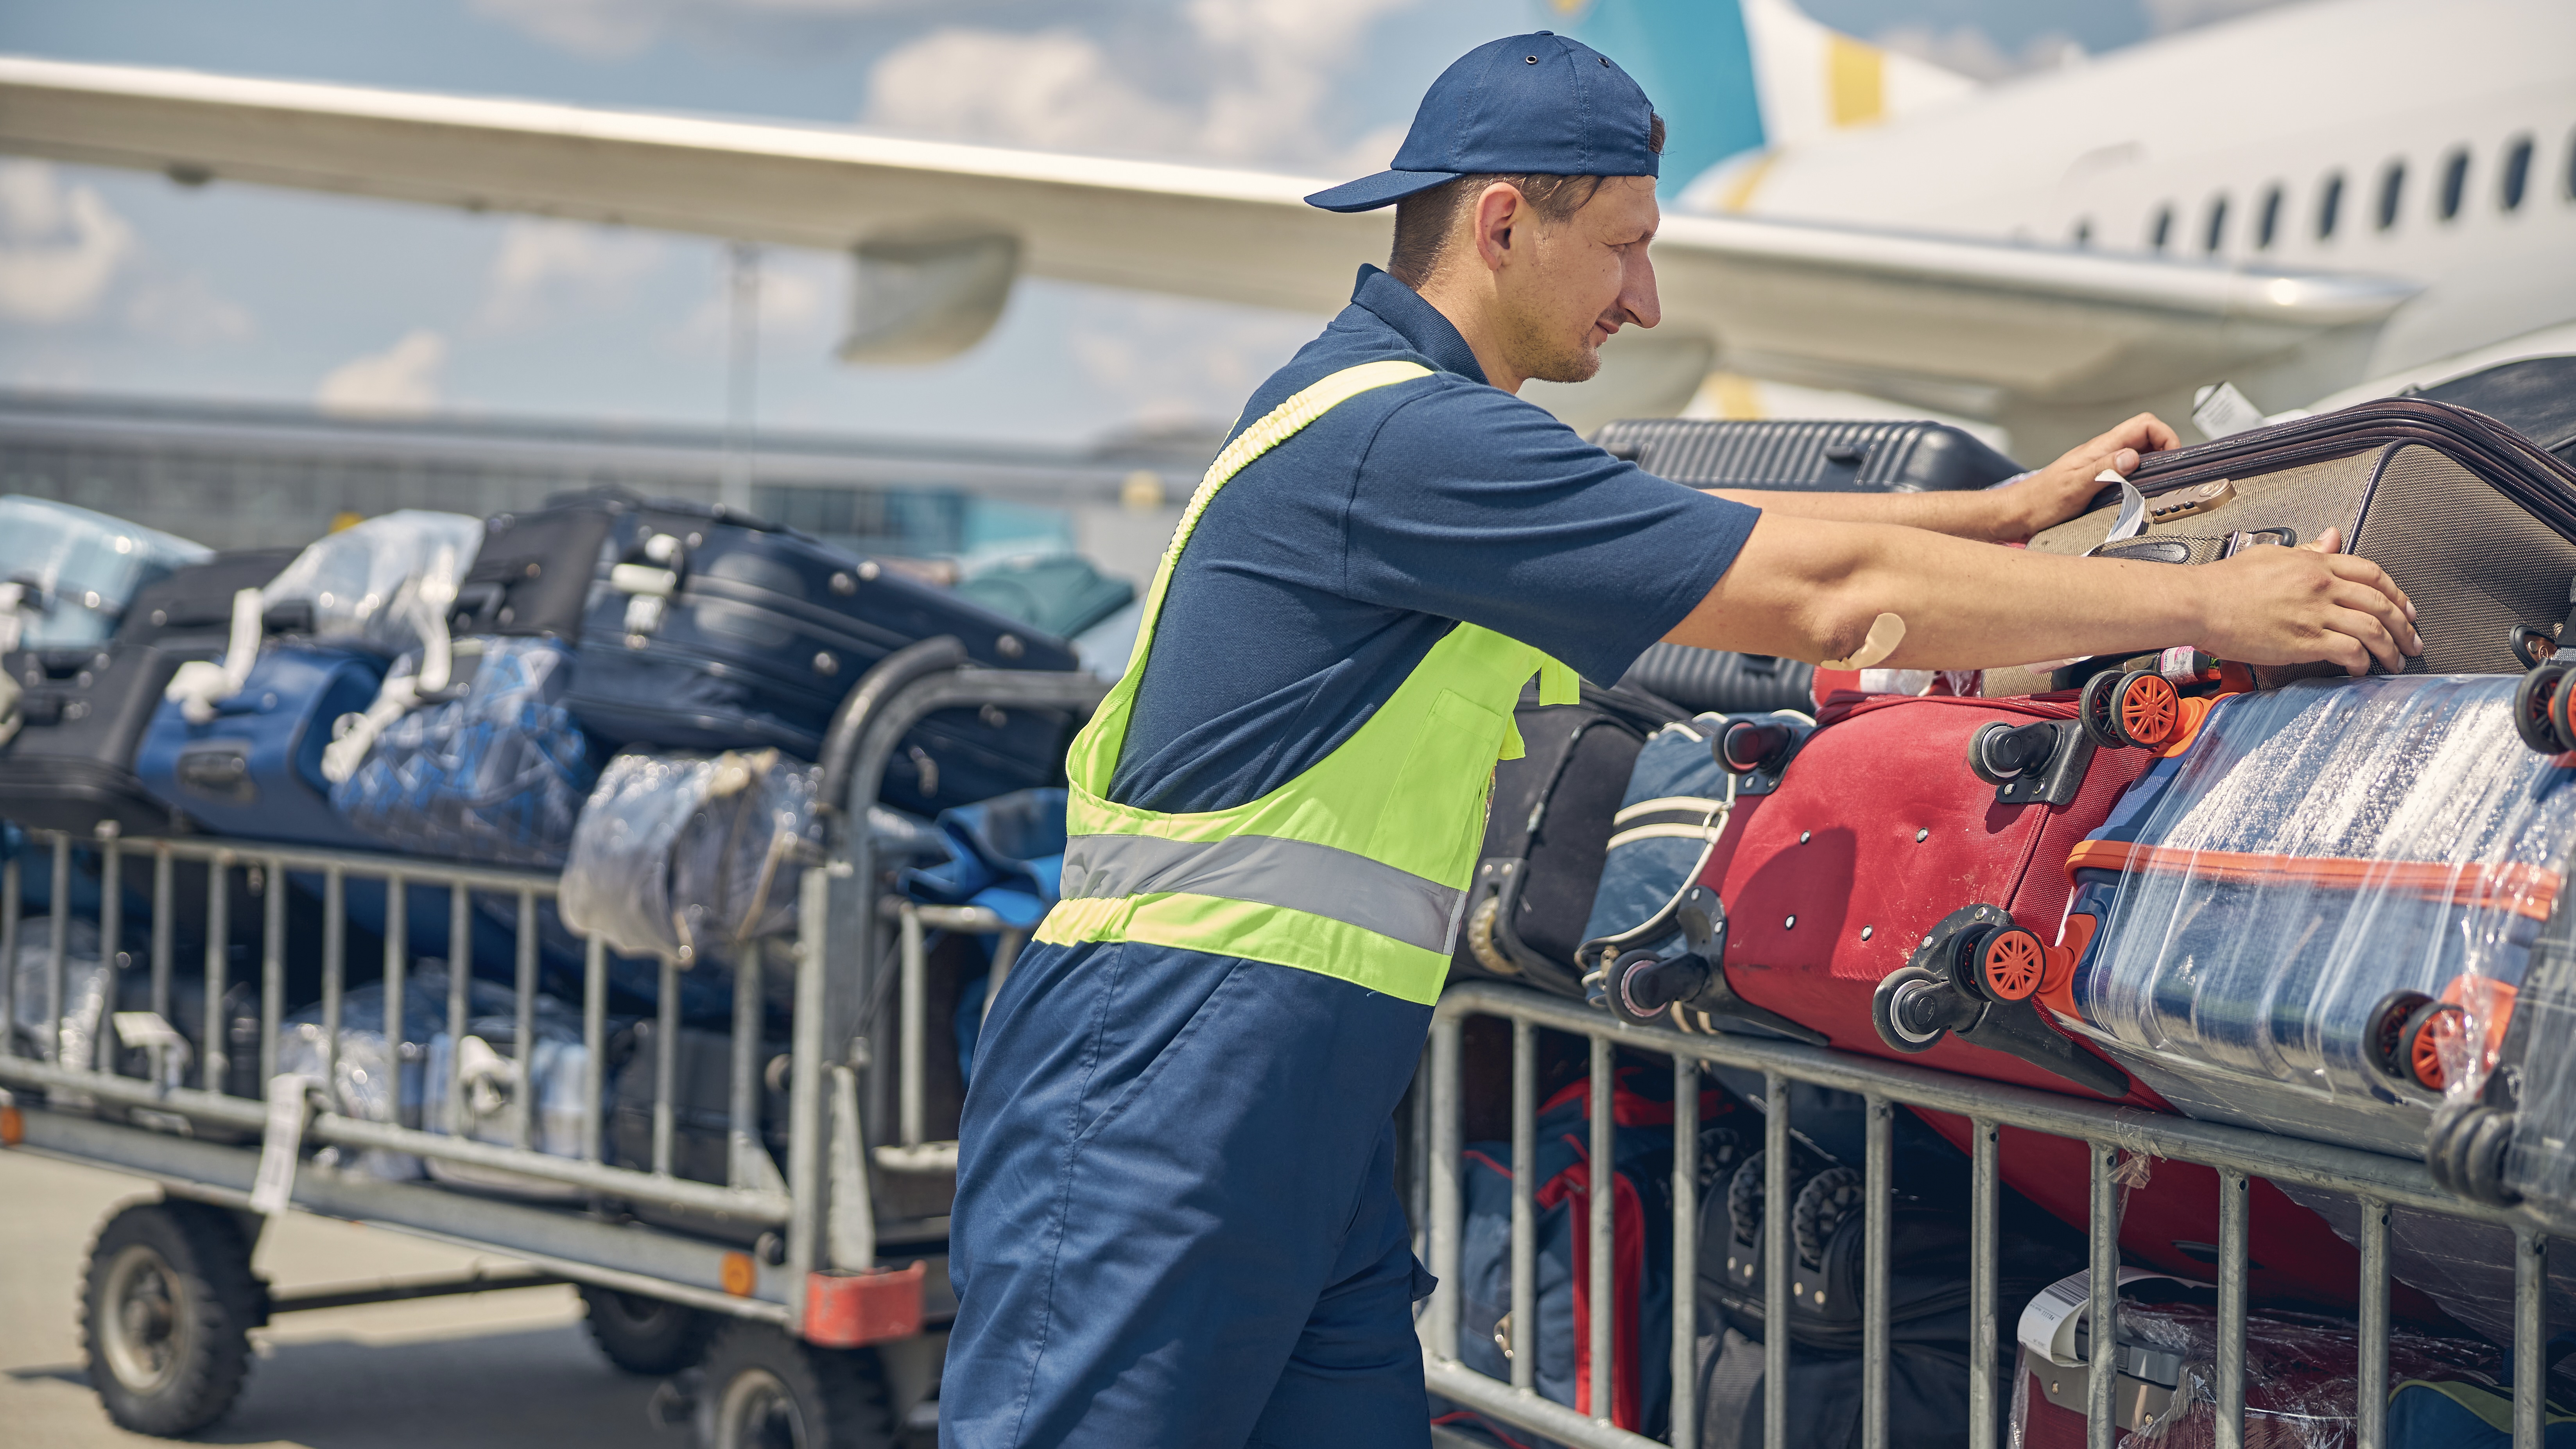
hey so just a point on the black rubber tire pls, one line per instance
(2097, 711)
(765, 1390)
(2532, 717)
(1882, 1009)
(169, 1351)
(2384, 1043)
(646, 1336)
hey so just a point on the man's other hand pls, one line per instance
(2059, 491)
(2271, 605)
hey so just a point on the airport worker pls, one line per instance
(1177, 1222)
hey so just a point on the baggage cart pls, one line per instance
(812, 1301)
(2114, 1135)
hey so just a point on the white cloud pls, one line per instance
(796, 288)
(1271, 65)
(610, 29)
(60, 245)
(1171, 362)
(401, 379)
(2168, 16)
(1971, 52)
(543, 266)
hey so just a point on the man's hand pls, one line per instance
(2059, 491)
(2271, 605)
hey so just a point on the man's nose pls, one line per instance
(1637, 291)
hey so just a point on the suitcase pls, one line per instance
(2535, 397)
(1861, 455)
(2317, 917)
(2301, 1370)
(384, 585)
(82, 713)
(67, 574)
(1671, 813)
(493, 1078)
(2474, 521)
(494, 768)
(533, 573)
(701, 1116)
(1857, 456)
(1547, 831)
(255, 770)
(712, 630)
(691, 856)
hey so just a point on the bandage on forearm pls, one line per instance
(1885, 633)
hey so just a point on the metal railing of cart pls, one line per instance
(176, 1124)
(2377, 1181)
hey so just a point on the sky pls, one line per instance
(120, 282)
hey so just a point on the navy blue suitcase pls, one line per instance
(710, 629)
(255, 769)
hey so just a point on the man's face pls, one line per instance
(1583, 279)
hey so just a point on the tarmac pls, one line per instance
(495, 1370)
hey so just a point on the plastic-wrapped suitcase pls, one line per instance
(2474, 521)
(254, 769)
(66, 574)
(1846, 456)
(714, 630)
(1547, 832)
(82, 713)
(692, 856)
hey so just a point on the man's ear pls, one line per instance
(1500, 208)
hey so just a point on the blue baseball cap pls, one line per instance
(1536, 104)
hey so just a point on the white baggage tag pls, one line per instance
(2220, 411)
(281, 1143)
(147, 1031)
(2048, 1324)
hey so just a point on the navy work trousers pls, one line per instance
(1176, 1221)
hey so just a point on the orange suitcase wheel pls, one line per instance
(2148, 709)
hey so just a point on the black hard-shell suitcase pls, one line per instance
(713, 630)
(2535, 397)
(1547, 833)
(1848, 456)
(82, 712)
(1822, 456)
(2476, 522)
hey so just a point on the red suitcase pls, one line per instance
(1872, 834)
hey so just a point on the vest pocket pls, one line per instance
(1434, 814)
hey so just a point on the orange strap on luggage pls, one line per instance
(2526, 889)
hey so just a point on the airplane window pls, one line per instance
(2217, 225)
(2392, 190)
(2455, 179)
(2517, 171)
(2164, 228)
(2271, 220)
(2330, 202)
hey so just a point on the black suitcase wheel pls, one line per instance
(646, 1336)
(1830, 1198)
(765, 1390)
(1641, 986)
(1912, 1009)
(2099, 713)
(167, 1306)
(2386, 1036)
(2540, 708)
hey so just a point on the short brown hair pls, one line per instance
(1424, 220)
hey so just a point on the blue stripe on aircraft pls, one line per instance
(1696, 63)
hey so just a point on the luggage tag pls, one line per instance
(281, 1143)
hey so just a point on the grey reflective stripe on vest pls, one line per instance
(1295, 875)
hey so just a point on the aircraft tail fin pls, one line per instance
(1737, 79)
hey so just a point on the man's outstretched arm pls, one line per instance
(1819, 590)
(2047, 497)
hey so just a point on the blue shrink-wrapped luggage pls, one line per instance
(713, 630)
(692, 857)
(66, 573)
(254, 767)
(492, 768)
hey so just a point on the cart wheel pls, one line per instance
(2536, 706)
(2001, 963)
(2149, 711)
(2385, 1037)
(2421, 1040)
(2097, 710)
(166, 1312)
(1912, 1009)
(646, 1335)
(765, 1390)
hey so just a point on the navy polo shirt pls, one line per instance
(1325, 570)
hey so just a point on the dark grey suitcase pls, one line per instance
(1848, 455)
(1828, 456)
(2535, 397)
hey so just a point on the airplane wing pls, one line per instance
(1988, 329)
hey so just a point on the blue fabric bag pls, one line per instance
(255, 768)
(493, 769)
(1666, 819)
(1006, 855)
